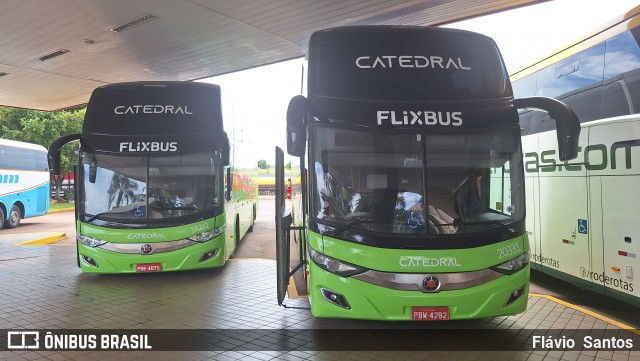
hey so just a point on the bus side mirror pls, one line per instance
(296, 134)
(229, 177)
(225, 150)
(93, 170)
(567, 123)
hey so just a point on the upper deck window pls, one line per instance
(415, 65)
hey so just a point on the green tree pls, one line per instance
(288, 165)
(43, 128)
(262, 164)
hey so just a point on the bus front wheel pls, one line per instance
(1, 218)
(14, 217)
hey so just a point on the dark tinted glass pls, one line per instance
(614, 100)
(409, 64)
(3, 157)
(148, 108)
(18, 158)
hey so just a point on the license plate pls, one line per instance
(149, 267)
(429, 313)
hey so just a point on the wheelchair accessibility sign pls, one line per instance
(582, 226)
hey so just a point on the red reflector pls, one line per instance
(565, 241)
(622, 253)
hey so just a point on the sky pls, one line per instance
(260, 96)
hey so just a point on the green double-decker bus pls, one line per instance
(412, 203)
(154, 186)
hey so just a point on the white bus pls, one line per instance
(582, 214)
(24, 182)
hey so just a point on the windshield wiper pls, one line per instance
(353, 223)
(504, 226)
(96, 216)
(189, 208)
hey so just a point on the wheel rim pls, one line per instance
(15, 216)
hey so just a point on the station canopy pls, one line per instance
(53, 54)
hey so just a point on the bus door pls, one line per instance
(296, 139)
(614, 172)
(563, 210)
(283, 224)
(530, 152)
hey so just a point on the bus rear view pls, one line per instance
(410, 143)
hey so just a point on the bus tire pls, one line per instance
(78, 253)
(2, 218)
(253, 219)
(15, 215)
(237, 231)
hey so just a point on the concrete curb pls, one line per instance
(44, 240)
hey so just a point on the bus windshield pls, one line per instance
(415, 184)
(136, 189)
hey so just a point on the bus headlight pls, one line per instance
(514, 265)
(90, 241)
(333, 265)
(205, 236)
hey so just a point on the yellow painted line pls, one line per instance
(61, 210)
(45, 240)
(588, 312)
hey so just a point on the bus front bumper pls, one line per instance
(362, 300)
(200, 255)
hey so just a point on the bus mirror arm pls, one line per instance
(567, 123)
(53, 155)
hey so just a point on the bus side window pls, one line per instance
(526, 125)
(541, 122)
(18, 158)
(632, 82)
(500, 188)
(614, 100)
(3, 157)
(525, 87)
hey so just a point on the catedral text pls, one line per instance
(410, 61)
(145, 236)
(416, 261)
(151, 109)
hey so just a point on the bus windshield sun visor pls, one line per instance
(157, 113)
(174, 144)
